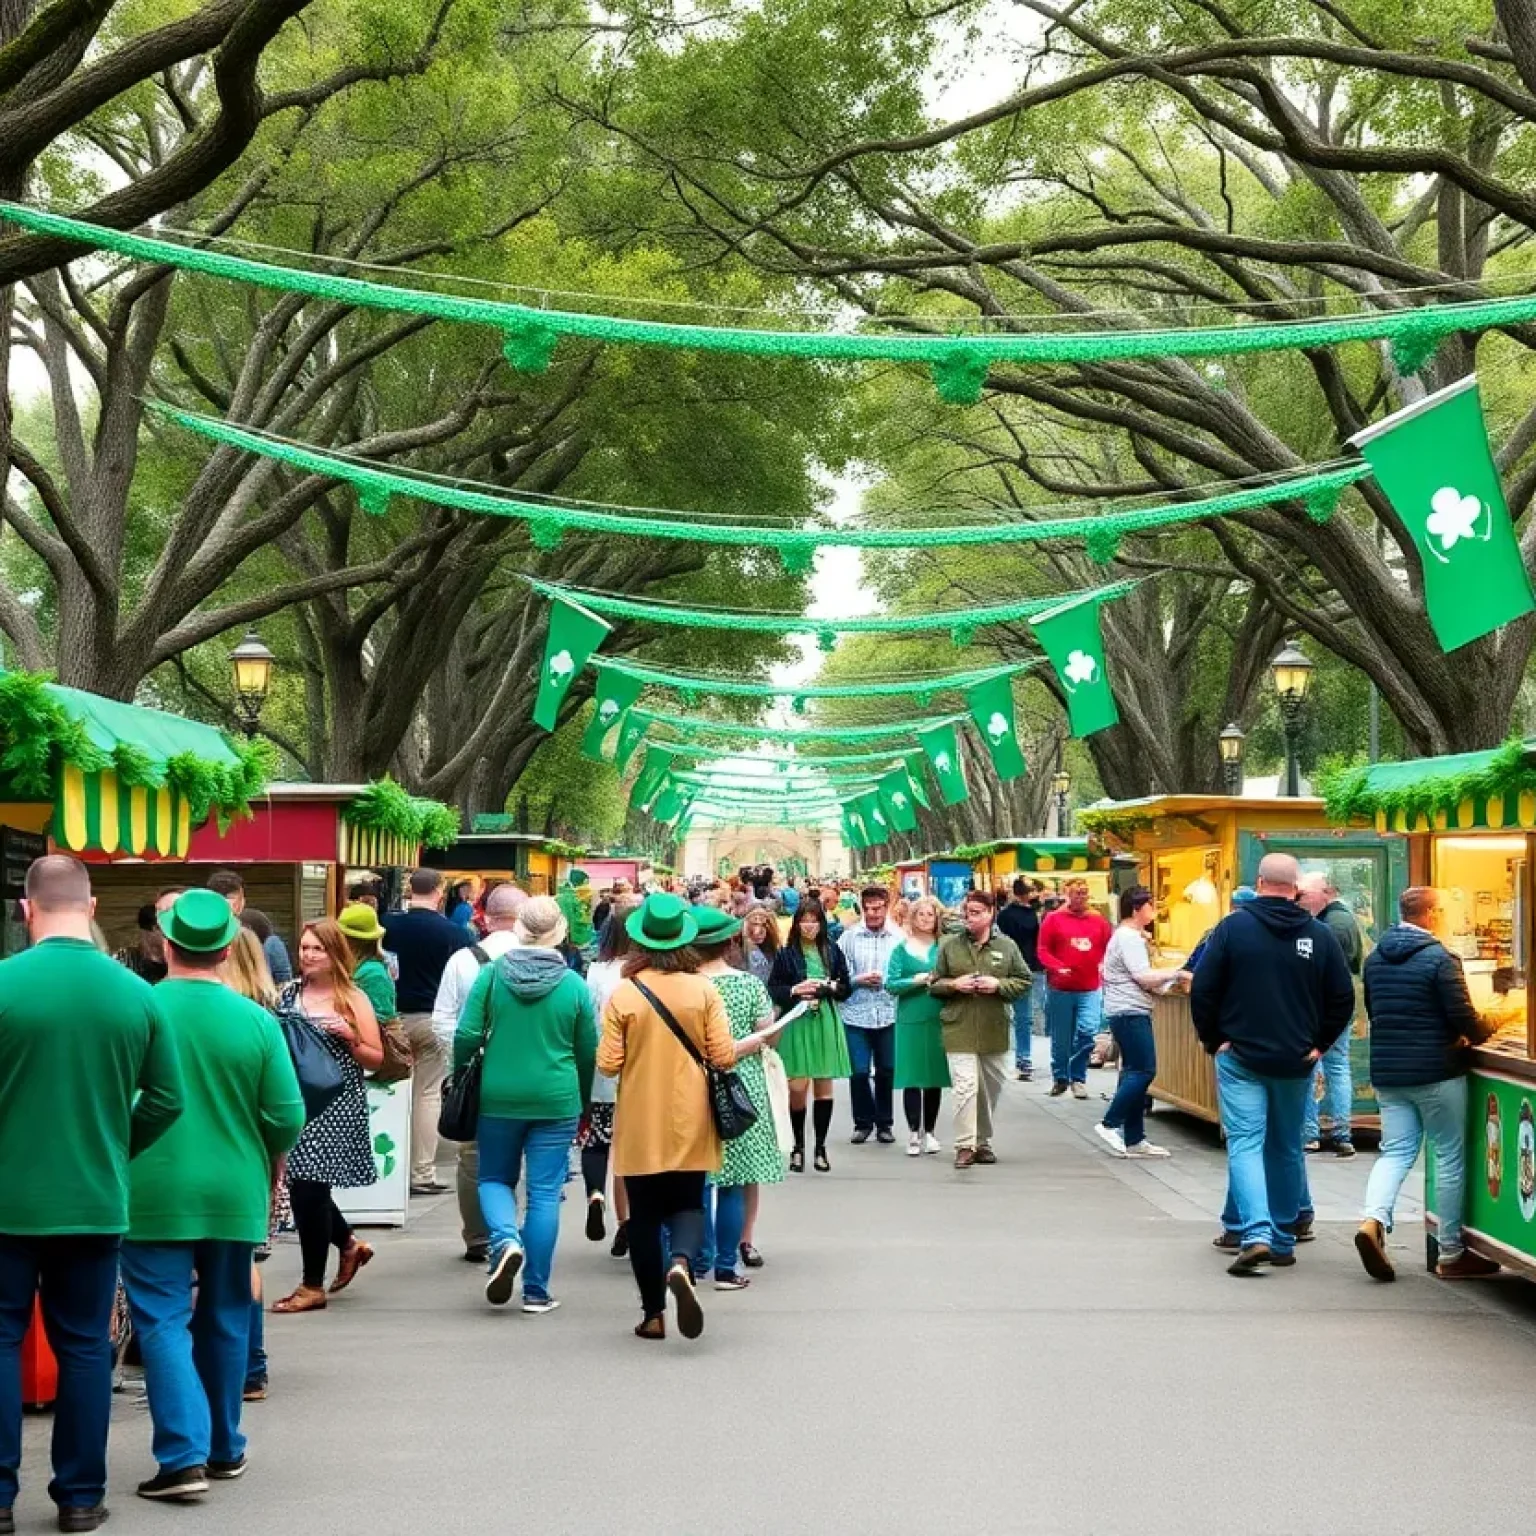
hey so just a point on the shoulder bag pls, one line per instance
(730, 1105)
(458, 1119)
(315, 1065)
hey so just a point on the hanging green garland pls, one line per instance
(694, 688)
(1318, 490)
(690, 728)
(958, 364)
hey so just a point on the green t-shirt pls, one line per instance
(210, 1176)
(79, 1036)
(373, 982)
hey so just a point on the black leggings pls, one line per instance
(924, 1101)
(657, 1200)
(594, 1169)
(321, 1227)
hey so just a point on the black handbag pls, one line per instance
(730, 1104)
(314, 1063)
(458, 1116)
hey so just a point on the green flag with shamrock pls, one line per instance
(1070, 635)
(653, 774)
(631, 734)
(941, 746)
(668, 802)
(853, 825)
(913, 762)
(1433, 460)
(615, 693)
(895, 791)
(574, 634)
(877, 825)
(991, 705)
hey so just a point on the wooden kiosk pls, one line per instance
(997, 865)
(1470, 825)
(1193, 851)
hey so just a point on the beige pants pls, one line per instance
(426, 1094)
(977, 1082)
(467, 1179)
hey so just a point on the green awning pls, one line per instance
(109, 723)
(1465, 790)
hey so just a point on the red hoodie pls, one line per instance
(1076, 945)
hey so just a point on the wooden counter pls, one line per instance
(1186, 1075)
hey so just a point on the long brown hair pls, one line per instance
(770, 945)
(823, 933)
(329, 936)
(245, 970)
(665, 962)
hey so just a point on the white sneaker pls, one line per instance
(915, 1144)
(1146, 1148)
(931, 1144)
(1079, 1090)
(1111, 1139)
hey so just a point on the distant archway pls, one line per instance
(723, 850)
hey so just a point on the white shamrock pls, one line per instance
(997, 727)
(560, 667)
(608, 712)
(879, 819)
(1081, 668)
(942, 762)
(899, 800)
(1453, 517)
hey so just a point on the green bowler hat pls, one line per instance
(662, 921)
(199, 922)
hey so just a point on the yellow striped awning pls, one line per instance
(365, 848)
(94, 811)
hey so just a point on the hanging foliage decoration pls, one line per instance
(385, 807)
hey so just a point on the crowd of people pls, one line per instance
(193, 1097)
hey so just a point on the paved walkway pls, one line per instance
(1047, 1346)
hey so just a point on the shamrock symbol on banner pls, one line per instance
(997, 727)
(384, 1150)
(899, 800)
(878, 818)
(1081, 668)
(560, 667)
(943, 763)
(608, 711)
(1453, 517)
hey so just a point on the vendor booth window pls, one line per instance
(1483, 886)
(1358, 882)
(1189, 899)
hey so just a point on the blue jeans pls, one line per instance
(76, 1280)
(256, 1346)
(194, 1356)
(1265, 1164)
(730, 1223)
(871, 1050)
(546, 1145)
(1023, 1029)
(1138, 1066)
(1338, 1092)
(1408, 1115)
(1305, 1212)
(1039, 991)
(1074, 1020)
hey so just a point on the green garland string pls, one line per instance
(694, 688)
(890, 757)
(384, 806)
(1318, 490)
(958, 364)
(1440, 784)
(690, 729)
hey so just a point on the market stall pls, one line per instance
(492, 851)
(1192, 852)
(1470, 826)
(996, 865)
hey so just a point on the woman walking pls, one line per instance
(664, 1138)
(335, 1148)
(596, 1136)
(531, 1013)
(760, 941)
(754, 1159)
(922, 1069)
(1129, 982)
(810, 969)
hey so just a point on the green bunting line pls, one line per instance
(689, 727)
(696, 688)
(958, 364)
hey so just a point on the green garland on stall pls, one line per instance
(1348, 795)
(958, 364)
(968, 853)
(385, 807)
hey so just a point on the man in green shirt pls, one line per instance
(199, 1203)
(79, 1037)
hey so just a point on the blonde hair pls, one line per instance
(931, 904)
(245, 970)
(540, 923)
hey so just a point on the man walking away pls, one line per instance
(80, 1036)
(1271, 993)
(231, 887)
(868, 1017)
(199, 1200)
(980, 975)
(1020, 921)
(459, 975)
(423, 941)
(1321, 898)
(1422, 1023)
(1071, 949)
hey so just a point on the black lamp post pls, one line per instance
(1061, 784)
(251, 662)
(1292, 672)
(1230, 743)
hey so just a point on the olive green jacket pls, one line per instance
(979, 1022)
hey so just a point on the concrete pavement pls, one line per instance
(1046, 1346)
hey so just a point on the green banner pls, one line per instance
(668, 803)
(631, 734)
(1501, 1161)
(877, 825)
(895, 791)
(1070, 635)
(853, 825)
(1433, 460)
(991, 706)
(615, 693)
(653, 773)
(574, 634)
(915, 779)
(941, 746)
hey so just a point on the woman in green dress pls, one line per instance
(922, 1069)
(811, 969)
(754, 1158)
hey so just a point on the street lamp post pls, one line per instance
(251, 663)
(1292, 672)
(1061, 784)
(1230, 743)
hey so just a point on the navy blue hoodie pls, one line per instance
(1422, 1017)
(1273, 983)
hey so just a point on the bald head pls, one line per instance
(1279, 875)
(58, 901)
(501, 906)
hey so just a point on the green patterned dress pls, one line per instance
(815, 1045)
(754, 1158)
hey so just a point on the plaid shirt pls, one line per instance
(869, 1007)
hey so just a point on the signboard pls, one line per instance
(17, 851)
(389, 1128)
(951, 880)
(1501, 1161)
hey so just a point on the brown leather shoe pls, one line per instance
(1467, 1266)
(1250, 1259)
(965, 1157)
(986, 1156)
(1371, 1245)
(1227, 1242)
(352, 1260)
